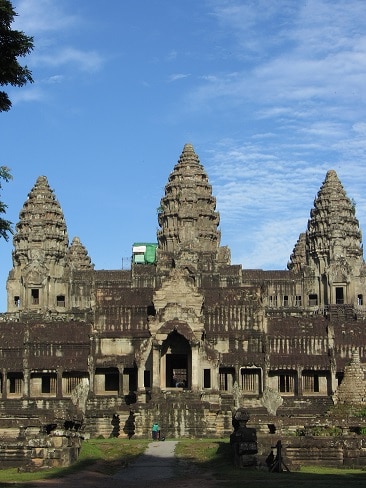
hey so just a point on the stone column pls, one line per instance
(120, 381)
(156, 367)
(26, 382)
(59, 392)
(299, 382)
(141, 390)
(140, 377)
(195, 366)
(5, 384)
(215, 378)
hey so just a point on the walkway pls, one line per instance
(157, 463)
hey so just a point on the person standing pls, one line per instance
(155, 431)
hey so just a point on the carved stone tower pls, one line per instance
(38, 280)
(333, 243)
(189, 236)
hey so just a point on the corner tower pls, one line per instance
(333, 232)
(37, 281)
(188, 235)
(331, 253)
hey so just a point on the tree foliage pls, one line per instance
(13, 44)
(5, 225)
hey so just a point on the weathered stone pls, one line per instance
(186, 339)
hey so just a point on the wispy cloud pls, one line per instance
(37, 16)
(51, 25)
(28, 94)
(271, 192)
(82, 60)
(177, 76)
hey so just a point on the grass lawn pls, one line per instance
(211, 457)
(214, 456)
(102, 455)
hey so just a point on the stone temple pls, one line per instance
(183, 337)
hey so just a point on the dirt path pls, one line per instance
(157, 467)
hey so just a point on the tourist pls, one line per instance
(155, 431)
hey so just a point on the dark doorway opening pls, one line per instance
(339, 295)
(177, 370)
(176, 351)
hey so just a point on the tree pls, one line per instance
(5, 225)
(13, 44)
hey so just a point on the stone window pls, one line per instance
(285, 301)
(35, 296)
(286, 382)
(71, 380)
(298, 301)
(43, 384)
(226, 378)
(206, 378)
(251, 381)
(106, 381)
(359, 300)
(60, 300)
(130, 379)
(17, 301)
(15, 384)
(273, 300)
(310, 383)
(314, 382)
(313, 300)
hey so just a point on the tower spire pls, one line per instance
(187, 216)
(40, 252)
(333, 231)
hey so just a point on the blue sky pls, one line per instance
(271, 93)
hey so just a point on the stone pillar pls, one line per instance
(195, 366)
(120, 381)
(5, 384)
(299, 382)
(59, 383)
(141, 389)
(26, 383)
(140, 377)
(156, 367)
(215, 378)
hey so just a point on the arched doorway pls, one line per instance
(176, 361)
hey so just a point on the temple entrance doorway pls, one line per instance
(177, 370)
(176, 361)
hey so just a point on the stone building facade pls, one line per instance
(188, 338)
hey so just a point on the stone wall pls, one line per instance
(59, 449)
(330, 451)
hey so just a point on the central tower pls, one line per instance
(188, 235)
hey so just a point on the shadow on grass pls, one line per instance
(212, 460)
(103, 456)
(219, 467)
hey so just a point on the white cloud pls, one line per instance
(38, 16)
(83, 60)
(27, 94)
(47, 21)
(177, 76)
(268, 190)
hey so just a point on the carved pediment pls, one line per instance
(339, 271)
(35, 273)
(178, 301)
(178, 292)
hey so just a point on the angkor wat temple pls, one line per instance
(185, 337)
